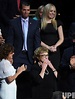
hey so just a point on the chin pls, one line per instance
(11, 61)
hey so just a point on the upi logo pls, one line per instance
(69, 95)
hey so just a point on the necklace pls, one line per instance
(46, 72)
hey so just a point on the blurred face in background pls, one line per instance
(41, 11)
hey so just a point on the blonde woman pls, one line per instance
(51, 33)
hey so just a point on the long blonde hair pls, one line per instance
(45, 15)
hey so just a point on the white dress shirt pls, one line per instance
(25, 31)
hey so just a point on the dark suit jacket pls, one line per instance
(72, 29)
(15, 36)
(67, 74)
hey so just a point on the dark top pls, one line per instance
(50, 36)
(42, 88)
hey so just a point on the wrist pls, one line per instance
(54, 70)
(55, 46)
(43, 70)
(47, 47)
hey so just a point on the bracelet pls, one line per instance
(54, 70)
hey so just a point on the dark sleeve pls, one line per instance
(35, 74)
(64, 68)
(71, 29)
(59, 23)
(65, 61)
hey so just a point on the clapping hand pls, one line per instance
(22, 68)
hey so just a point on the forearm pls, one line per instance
(59, 43)
(44, 45)
(55, 73)
(12, 78)
(42, 73)
(53, 69)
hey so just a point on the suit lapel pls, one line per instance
(29, 26)
(20, 26)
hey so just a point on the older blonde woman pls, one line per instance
(44, 75)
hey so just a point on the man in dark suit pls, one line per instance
(67, 68)
(24, 35)
(17, 36)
